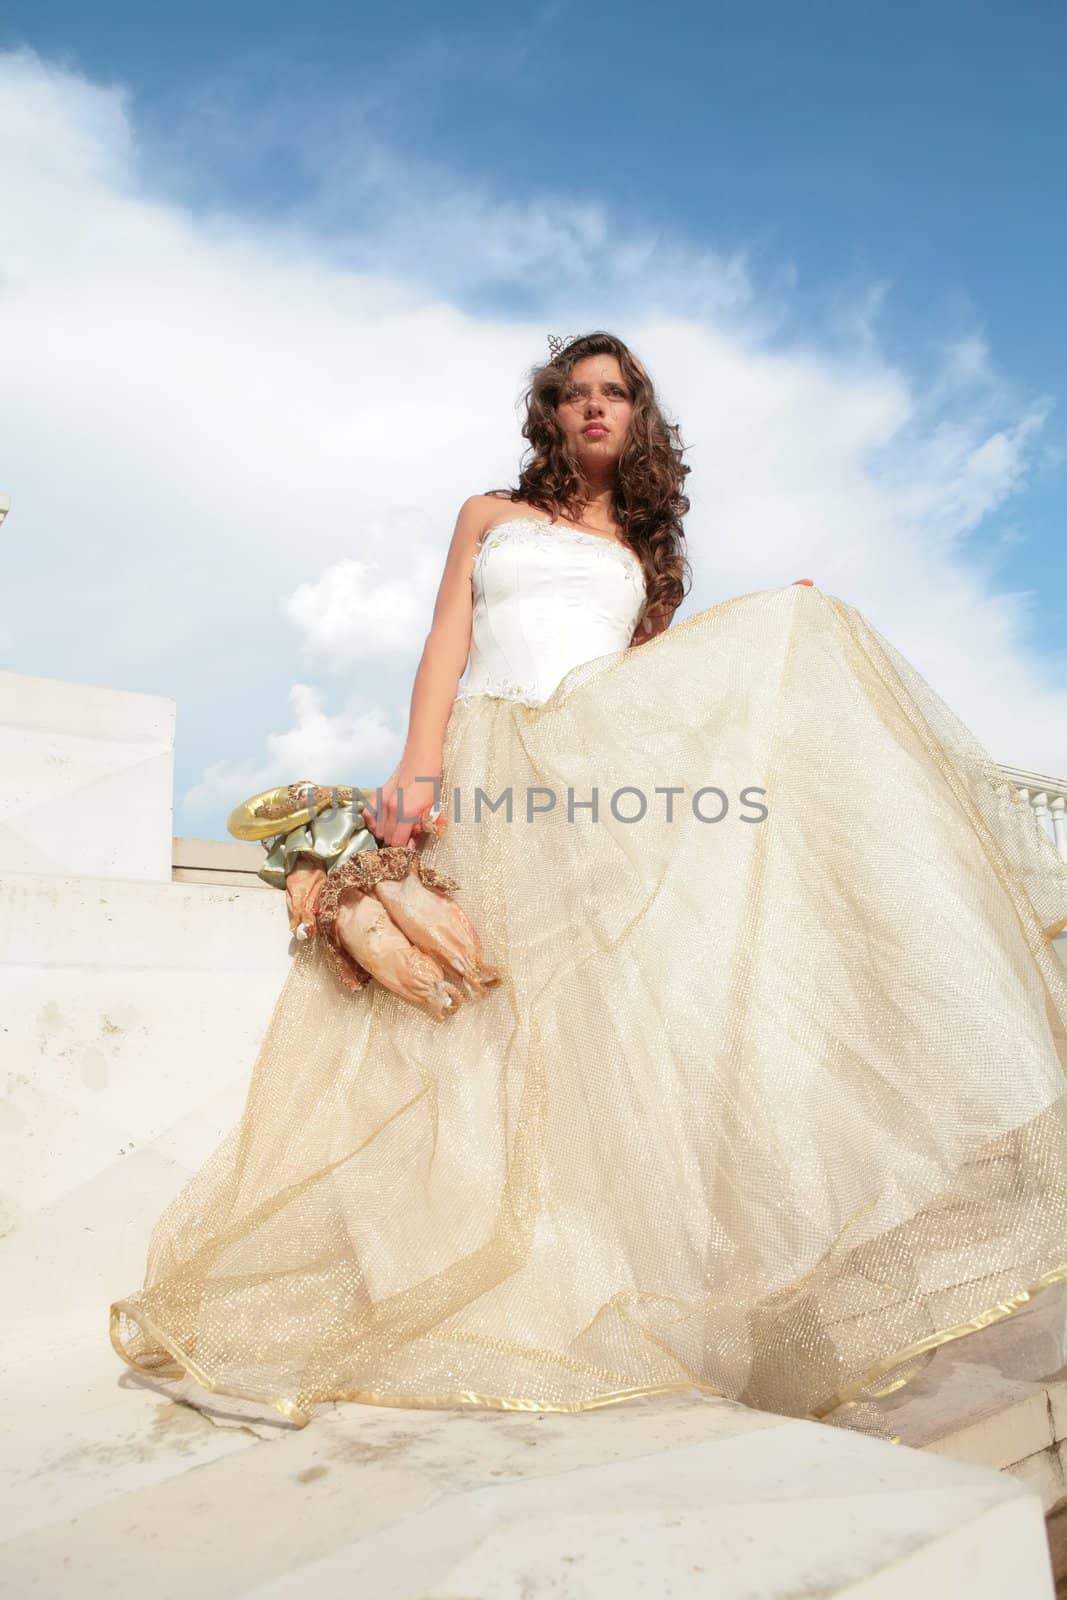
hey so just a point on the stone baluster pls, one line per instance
(1039, 806)
(1058, 809)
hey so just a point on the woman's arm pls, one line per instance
(444, 656)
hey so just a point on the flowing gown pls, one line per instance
(770, 1101)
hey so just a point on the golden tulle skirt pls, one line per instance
(769, 1107)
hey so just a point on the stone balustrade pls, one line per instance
(1048, 801)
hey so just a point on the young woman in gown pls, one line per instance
(769, 1100)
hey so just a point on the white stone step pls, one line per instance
(109, 1488)
(131, 1013)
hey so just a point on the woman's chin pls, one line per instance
(597, 452)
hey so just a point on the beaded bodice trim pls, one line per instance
(499, 688)
(539, 527)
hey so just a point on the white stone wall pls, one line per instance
(131, 1005)
(86, 780)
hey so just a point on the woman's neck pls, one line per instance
(599, 509)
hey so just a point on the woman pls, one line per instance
(768, 1101)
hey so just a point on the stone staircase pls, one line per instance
(137, 975)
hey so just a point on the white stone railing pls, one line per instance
(1048, 801)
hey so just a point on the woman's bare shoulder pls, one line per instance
(479, 511)
(480, 508)
(476, 514)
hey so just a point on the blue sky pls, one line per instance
(918, 143)
(830, 194)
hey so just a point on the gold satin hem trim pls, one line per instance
(985, 1319)
(415, 1402)
(123, 1307)
(845, 1397)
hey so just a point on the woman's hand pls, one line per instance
(415, 777)
(303, 885)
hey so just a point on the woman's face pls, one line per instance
(594, 410)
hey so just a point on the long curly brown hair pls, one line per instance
(649, 503)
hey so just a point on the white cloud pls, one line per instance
(235, 449)
(351, 746)
(361, 610)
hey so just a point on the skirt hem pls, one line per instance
(844, 1398)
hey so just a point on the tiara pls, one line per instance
(556, 344)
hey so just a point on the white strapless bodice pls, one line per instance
(546, 597)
